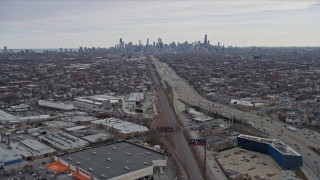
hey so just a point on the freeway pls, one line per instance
(181, 145)
(188, 94)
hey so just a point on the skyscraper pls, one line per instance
(147, 41)
(5, 50)
(121, 44)
(205, 40)
(120, 41)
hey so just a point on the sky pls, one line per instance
(98, 23)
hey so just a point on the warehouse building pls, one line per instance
(197, 116)
(101, 101)
(124, 128)
(119, 160)
(63, 141)
(8, 158)
(55, 105)
(284, 155)
(32, 149)
(99, 137)
(134, 100)
(220, 142)
(79, 119)
(246, 103)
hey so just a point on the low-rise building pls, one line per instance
(119, 160)
(8, 158)
(124, 128)
(220, 142)
(247, 104)
(55, 105)
(32, 149)
(63, 141)
(284, 155)
(198, 116)
(134, 100)
(95, 138)
(76, 128)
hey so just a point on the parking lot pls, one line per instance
(256, 165)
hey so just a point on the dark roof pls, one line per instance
(114, 159)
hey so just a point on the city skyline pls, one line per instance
(70, 24)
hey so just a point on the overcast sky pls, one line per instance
(70, 24)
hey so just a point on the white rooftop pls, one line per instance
(79, 118)
(277, 144)
(135, 97)
(76, 128)
(97, 137)
(81, 99)
(194, 112)
(6, 155)
(202, 118)
(59, 124)
(245, 103)
(57, 105)
(62, 140)
(29, 147)
(122, 126)
(6, 116)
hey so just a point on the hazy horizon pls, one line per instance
(70, 24)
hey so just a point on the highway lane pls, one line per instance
(189, 95)
(180, 142)
(214, 173)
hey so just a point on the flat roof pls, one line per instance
(6, 155)
(59, 124)
(277, 144)
(114, 159)
(136, 96)
(202, 118)
(76, 128)
(79, 118)
(124, 127)
(6, 116)
(30, 147)
(62, 140)
(246, 102)
(81, 99)
(97, 137)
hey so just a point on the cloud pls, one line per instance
(132, 18)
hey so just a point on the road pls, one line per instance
(182, 147)
(213, 170)
(188, 94)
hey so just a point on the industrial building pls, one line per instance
(134, 100)
(79, 119)
(63, 141)
(55, 105)
(76, 128)
(220, 142)
(99, 137)
(120, 160)
(19, 108)
(6, 116)
(124, 128)
(101, 101)
(284, 155)
(198, 116)
(8, 158)
(246, 103)
(32, 149)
